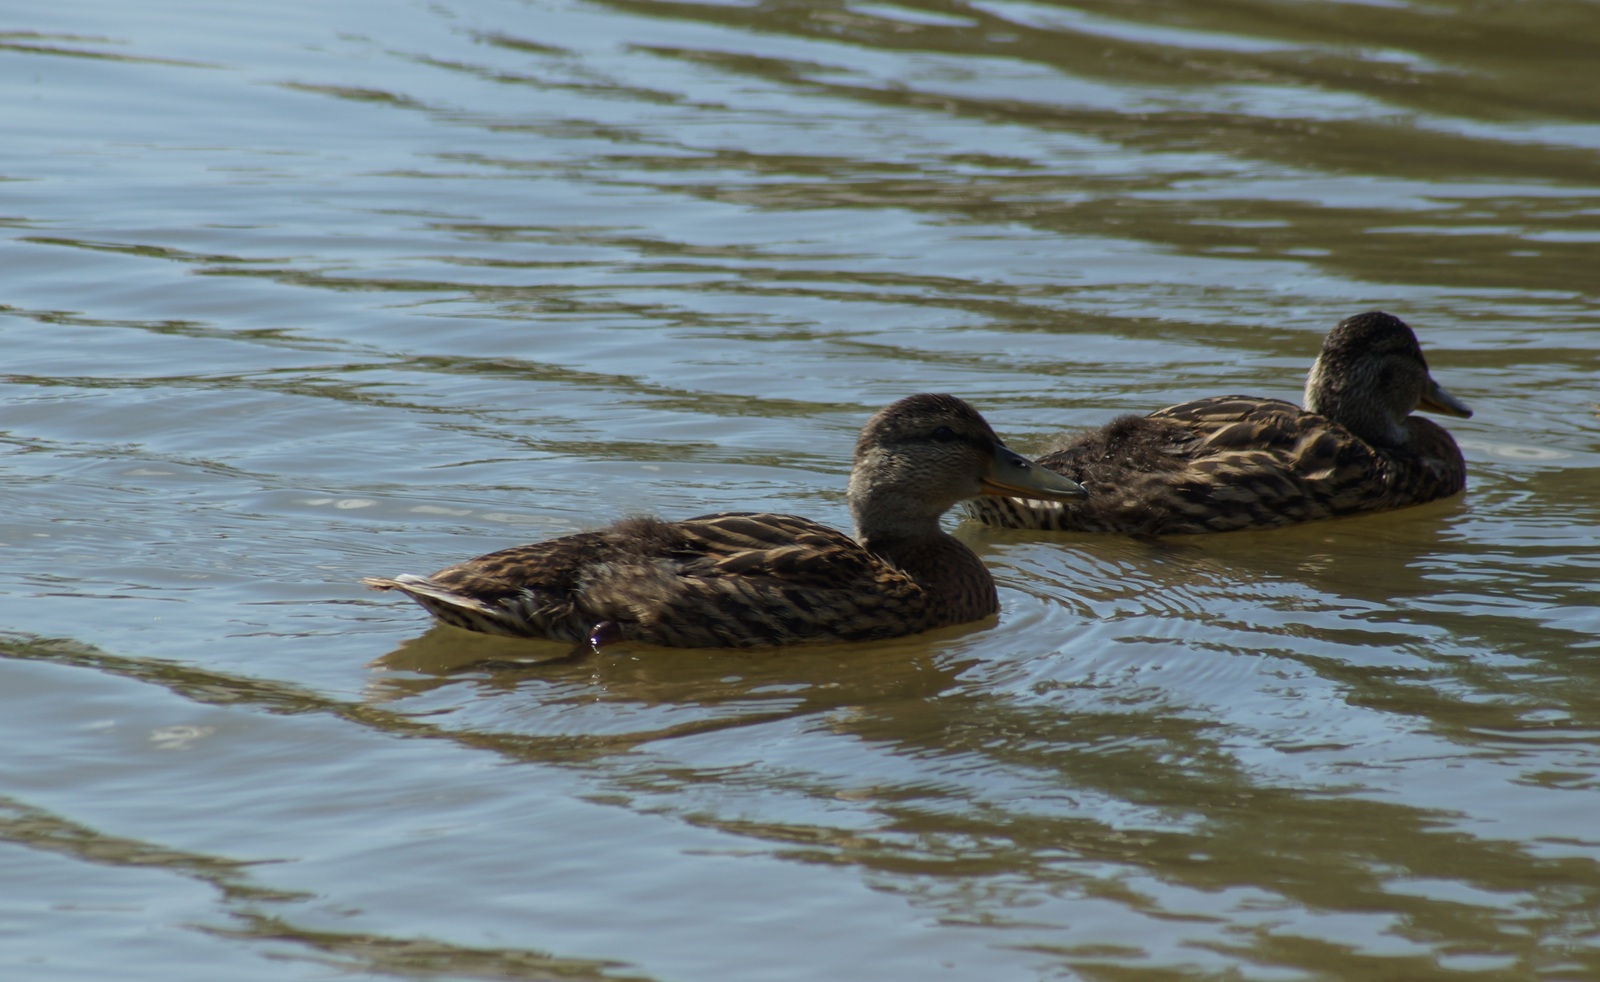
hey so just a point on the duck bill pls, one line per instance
(1436, 400)
(1012, 475)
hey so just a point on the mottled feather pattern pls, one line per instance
(771, 580)
(1228, 463)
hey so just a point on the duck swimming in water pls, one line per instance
(737, 580)
(1240, 462)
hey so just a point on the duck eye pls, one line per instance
(944, 434)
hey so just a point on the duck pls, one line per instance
(1227, 463)
(745, 579)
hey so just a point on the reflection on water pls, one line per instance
(294, 295)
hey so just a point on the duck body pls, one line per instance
(728, 580)
(1229, 463)
(1238, 462)
(741, 579)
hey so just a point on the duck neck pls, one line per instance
(1367, 418)
(1366, 421)
(957, 581)
(880, 518)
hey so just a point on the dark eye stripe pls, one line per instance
(945, 435)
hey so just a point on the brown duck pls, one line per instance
(1240, 462)
(735, 579)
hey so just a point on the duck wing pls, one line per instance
(743, 579)
(1260, 463)
(1171, 441)
(1224, 423)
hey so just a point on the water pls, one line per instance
(295, 293)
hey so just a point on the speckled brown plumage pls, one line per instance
(745, 579)
(1238, 462)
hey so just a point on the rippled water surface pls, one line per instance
(298, 292)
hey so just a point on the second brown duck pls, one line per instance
(1240, 462)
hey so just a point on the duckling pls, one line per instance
(1240, 462)
(738, 579)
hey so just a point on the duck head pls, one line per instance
(919, 457)
(1371, 375)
